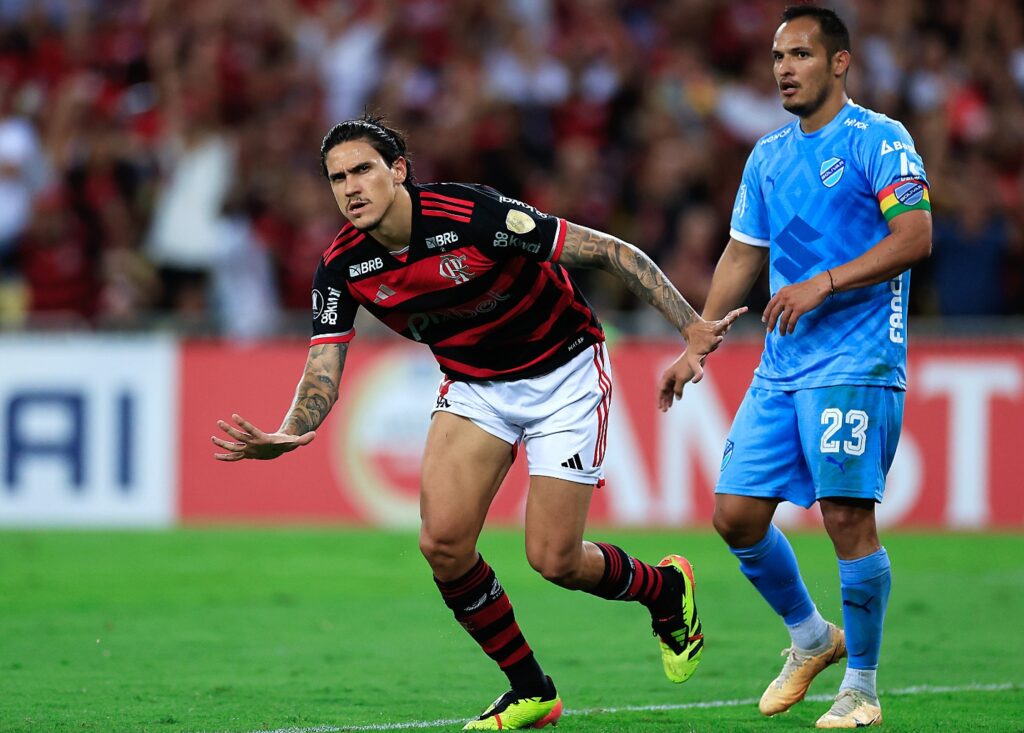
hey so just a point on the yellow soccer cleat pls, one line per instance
(680, 635)
(852, 709)
(509, 712)
(800, 669)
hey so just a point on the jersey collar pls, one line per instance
(834, 124)
(414, 230)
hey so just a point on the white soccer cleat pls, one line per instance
(798, 672)
(852, 709)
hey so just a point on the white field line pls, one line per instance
(412, 725)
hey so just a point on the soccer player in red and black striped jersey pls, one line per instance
(480, 279)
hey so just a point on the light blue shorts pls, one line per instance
(810, 444)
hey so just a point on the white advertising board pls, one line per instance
(88, 431)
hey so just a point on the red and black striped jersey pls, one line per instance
(480, 284)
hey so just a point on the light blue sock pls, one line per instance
(865, 584)
(771, 566)
(811, 635)
(860, 679)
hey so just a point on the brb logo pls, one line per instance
(441, 241)
(454, 268)
(363, 268)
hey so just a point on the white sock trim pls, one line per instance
(862, 680)
(810, 635)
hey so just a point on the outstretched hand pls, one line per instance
(702, 338)
(251, 442)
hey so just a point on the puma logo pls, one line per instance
(862, 606)
(841, 464)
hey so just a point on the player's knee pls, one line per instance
(560, 568)
(847, 519)
(726, 526)
(444, 552)
(838, 523)
(735, 529)
(851, 527)
(432, 549)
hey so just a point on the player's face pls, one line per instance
(363, 184)
(803, 68)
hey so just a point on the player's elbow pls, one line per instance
(920, 248)
(926, 247)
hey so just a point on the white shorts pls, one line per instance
(560, 417)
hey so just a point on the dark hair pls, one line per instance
(386, 141)
(833, 30)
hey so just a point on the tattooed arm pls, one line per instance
(590, 248)
(318, 389)
(316, 394)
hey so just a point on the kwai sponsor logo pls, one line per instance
(329, 316)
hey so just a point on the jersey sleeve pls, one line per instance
(334, 309)
(749, 223)
(510, 228)
(895, 171)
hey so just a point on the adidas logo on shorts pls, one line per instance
(573, 462)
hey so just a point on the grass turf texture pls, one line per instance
(241, 630)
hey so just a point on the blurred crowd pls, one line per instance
(159, 159)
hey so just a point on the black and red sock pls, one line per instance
(484, 610)
(627, 579)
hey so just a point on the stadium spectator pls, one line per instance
(59, 262)
(21, 166)
(465, 80)
(244, 291)
(687, 263)
(837, 203)
(349, 53)
(747, 107)
(972, 246)
(480, 278)
(183, 236)
(23, 173)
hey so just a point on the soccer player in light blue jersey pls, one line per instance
(837, 203)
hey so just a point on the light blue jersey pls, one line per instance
(819, 200)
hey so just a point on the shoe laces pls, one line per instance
(674, 632)
(849, 700)
(503, 702)
(794, 658)
(510, 698)
(500, 705)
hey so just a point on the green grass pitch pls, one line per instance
(238, 630)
